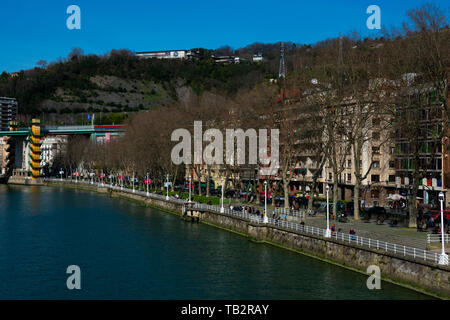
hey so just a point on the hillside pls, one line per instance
(119, 83)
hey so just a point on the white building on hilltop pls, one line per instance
(168, 54)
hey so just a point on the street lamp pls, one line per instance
(266, 220)
(222, 209)
(167, 185)
(61, 174)
(328, 231)
(190, 186)
(133, 181)
(443, 258)
(147, 184)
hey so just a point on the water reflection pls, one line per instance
(128, 251)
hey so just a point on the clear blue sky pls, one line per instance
(34, 30)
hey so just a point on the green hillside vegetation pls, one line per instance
(71, 85)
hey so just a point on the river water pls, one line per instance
(127, 251)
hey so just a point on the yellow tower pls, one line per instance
(35, 149)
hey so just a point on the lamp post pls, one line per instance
(222, 209)
(61, 174)
(443, 257)
(167, 186)
(190, 186)
(147, 184)
(133, 181)
(328, 231)
(266, 219)
(92, 178)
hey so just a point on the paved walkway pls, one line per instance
(399, 235)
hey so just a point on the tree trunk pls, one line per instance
(286, 194)
(412, 208)
(335, 197)
(356, 200)
(258, 199)
(311, 199)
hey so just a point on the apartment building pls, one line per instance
(8, 112)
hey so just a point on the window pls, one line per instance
(376, 150)
(375, 178)
(330, 176)
(375, 164)
(349, 163)
(391, 178)
(392, 164)
(349, 177)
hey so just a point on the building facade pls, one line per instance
(167, 54)
(8, 112)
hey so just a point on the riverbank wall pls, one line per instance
(423, 276)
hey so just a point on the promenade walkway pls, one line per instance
(399, 234)
(398, 240)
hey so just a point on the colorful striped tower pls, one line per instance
(35, 149)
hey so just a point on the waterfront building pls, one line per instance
(8, 112)
(51, 147)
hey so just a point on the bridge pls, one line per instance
(67, 130)
(31, 138)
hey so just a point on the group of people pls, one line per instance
(426, 221)
(398, 205)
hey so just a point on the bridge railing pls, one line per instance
(69, 127)
(397, 249)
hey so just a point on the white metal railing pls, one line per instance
(89, 127)
(437, 237)
(290, 212)
(414, 253)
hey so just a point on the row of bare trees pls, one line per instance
(328, 111)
